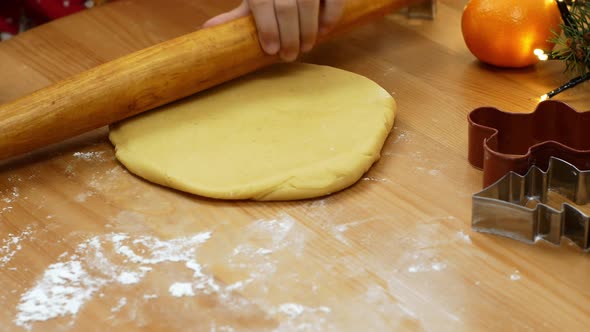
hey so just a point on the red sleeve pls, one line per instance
(10, 12)
(51, 9)
(35, 11)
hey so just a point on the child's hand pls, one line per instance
(287, 27)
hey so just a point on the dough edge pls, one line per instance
(280, 187)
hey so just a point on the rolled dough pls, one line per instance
(292, 131)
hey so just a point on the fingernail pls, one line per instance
(306, 47)
(288, 57)
(271, 48)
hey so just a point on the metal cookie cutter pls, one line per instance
(537, 206)
(521, 200)
(425, 10)
(500, 142)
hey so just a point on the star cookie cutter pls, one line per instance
(501, 142)
(541, 205)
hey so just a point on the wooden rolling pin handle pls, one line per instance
(145, 80)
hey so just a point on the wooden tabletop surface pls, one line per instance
(86, 246)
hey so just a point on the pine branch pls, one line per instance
(573, 45)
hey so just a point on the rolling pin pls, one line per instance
(146, 79)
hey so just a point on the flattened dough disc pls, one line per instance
(292, 131)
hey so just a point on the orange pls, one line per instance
(505, 33)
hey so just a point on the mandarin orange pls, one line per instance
(505, 33)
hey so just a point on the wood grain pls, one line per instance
(393, 252)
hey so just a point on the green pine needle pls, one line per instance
(573, 45)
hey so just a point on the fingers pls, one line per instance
(288, 20)
(309, 15)
(287, 27)
(240, 11)
(266, 22)
(332, 10)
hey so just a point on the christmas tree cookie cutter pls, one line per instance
(541, 205)
(521, 200)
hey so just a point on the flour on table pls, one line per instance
(83, 196)
(375, 179)
(89, 156)
(401, 136)
(422, 267)
(132, 277)
(515, 276)
(63, 290)
(339, 230)
(11, 195)
(69, 170)
(123, 260)
(384, 308)
(120, 305)
(279, 233)
(300, 317)
(434, 172)
(11, 245)
(465, 237)
(66, 286)
(8, 197)
(14, 178)
(180, 289)
(345, 227)
(294, 310)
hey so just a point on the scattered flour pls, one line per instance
(225, 328)
(294, 310)
(63, 290)
(263, 251)
(123, 259)
(279, 233)
(11, 195)
(8, 197)
(11, 245)
(465, 237)
(383, 308)
(439, 266)
(402, 136)
(300, 317)
(434, 172)
(180, 289)
(69, 171)
(339, 230)
(120, 305)
(132, 277)
(436, 266)
(80, 198)
(68, 284)
(515, 276)
(374, 179)
(89, 156)
(345, 227)
(14, 178)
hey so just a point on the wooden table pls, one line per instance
(86, 246)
